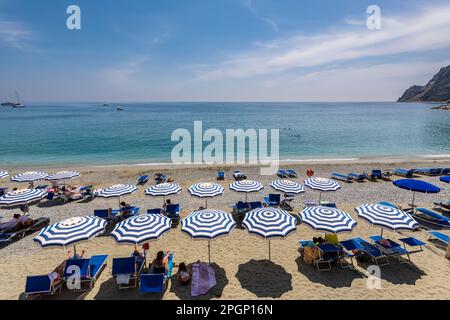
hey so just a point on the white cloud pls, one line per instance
(413, 33)
(124, 73)
(14, 33)
(250, 6)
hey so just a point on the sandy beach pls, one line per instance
(240, 260)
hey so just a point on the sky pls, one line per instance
(219, 50)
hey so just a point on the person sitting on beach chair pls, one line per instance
(160, 264)
(139, 258)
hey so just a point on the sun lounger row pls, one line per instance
(378, 251)
(287, 173)
(432, 216)
(432, 171)
(349, 177)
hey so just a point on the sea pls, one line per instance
(65, 134)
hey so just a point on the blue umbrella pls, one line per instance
(3, 174)
(269, 223)
(416, 186)
(327, 219)
(287, 186)
(163, 190)
(246, 186)
(29, 176)
(445, 179)
(24, 196)
(71, 231)
(322, 184)
(206, 190)
(142, 228)
(207, 224)
(386, 217)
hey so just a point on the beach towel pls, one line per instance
(203, 278)
(123, 279)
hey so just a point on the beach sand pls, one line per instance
(240, 260)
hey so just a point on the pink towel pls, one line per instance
(203, 278)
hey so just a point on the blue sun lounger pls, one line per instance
(156, 283)
(255, 205)
(441, 237)
(40, 285)
(173, 212)
(90, 269)
(142, 179)
(342, 177)
(395, 250)
(328, 253)
(429, 171)
(127, 267)
(352, 249)
(433, 216)
(291, 173)
(359, 177)
(220, 175)
(241, 207)
(282, 173)
(373, 252)
(272, 200)
(154, 211)
(403, 172)
(445, 171)
(376, 174)
(388, 204)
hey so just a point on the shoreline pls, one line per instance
(431, 158)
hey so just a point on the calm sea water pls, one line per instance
(87, 133)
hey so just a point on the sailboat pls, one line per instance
(17, 104)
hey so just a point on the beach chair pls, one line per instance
(291, 173)
(11, 234)
(443, 205)
(88, 192)
(445, 171)
(240, 207)
(359, 177)
(154, 211)
(142, 180)
(351, 249)
(220, 175)
(388, 204)
(375, 175)
(310, 203)
(40, 285)
(238, 175)
(342, 177)
(90, 269)
(255, 205)
(41, 187)
(429, 171)
(272, 200)
(374, 253)
(3, 191)
(103, 214)
(423, 213)
(403, 172)
(328, 204)
(130, 211)
(126, 270)
(156, 283)
(393, 249)
(328, 253)
(282, 173)
(173, 212)
(439, 236)
(160, 178)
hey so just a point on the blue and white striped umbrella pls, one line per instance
(207, 224)
(322, 184)
(327, 219)
(63, 175)
(29, 176)
(141, 229)
(3, 174)
(206, 190)
(23, 196)
(287, 186)
(117, 190)
(71, 231)
(163, 189)
(269, 223)
(246, 186)
(386, 217)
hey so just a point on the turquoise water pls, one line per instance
(88, 133)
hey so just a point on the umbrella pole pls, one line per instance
(414, 196)
(320, 197)
(74, 251)
(269, 250)
(209, 251)
(382, 231)
(246, 197)
(206, 203)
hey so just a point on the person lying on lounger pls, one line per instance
(160, 264)
(56, 276)
(18, 222)
(184, 275)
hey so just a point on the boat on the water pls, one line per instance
(17, 104)
(119, 108)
